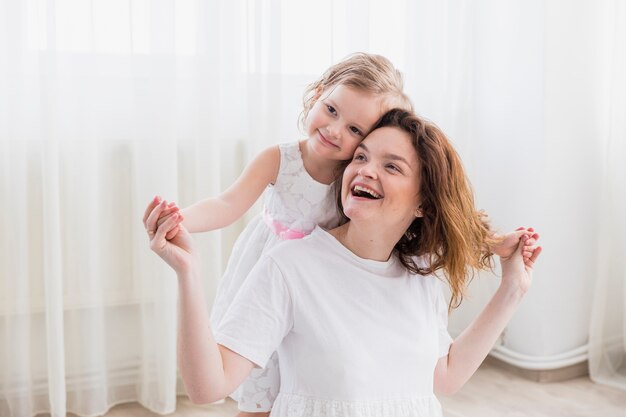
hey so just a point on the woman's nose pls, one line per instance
(367, 171)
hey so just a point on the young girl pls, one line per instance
(340, 108)
(356, 312)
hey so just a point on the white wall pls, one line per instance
(553, 110)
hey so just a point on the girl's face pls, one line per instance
(382, 182)
(340, 119)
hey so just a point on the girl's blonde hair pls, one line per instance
(452, 235)
(364, 72)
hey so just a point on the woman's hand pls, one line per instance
(169, 210)
(178, 252)
(517, 269)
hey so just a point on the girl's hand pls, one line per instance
(517, 269)
(509, 242)
(177, 252)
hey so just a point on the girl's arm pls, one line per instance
(210, 372)
(215, 213)
(469, 350)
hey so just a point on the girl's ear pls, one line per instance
(318, 92)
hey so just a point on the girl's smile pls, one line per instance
(325, 141)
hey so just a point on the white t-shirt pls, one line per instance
(355, 337)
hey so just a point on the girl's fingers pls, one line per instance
(165, 214)
(155, 201)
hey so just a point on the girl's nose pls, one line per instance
(334, 131)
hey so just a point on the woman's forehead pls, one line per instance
(388, 137)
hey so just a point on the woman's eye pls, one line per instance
(359, 157)
(331, 110)
(356, 131)
(393, 167)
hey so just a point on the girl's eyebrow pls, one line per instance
(391, 156)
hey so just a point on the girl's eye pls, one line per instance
(331, 110)
(393, 167)
(356, 131)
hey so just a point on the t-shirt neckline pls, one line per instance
(341, 249)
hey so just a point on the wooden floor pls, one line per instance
(492, 392)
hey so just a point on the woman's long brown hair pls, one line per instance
(453, 236)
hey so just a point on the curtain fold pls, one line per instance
(106, 103)
(607, 335)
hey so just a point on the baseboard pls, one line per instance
(543, 375)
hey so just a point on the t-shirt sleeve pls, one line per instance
(441, 312)
(260, 316)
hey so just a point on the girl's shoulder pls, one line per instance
(290, 153)
(291, 163)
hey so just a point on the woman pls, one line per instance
(356, 314)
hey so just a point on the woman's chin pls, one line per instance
(358, 214)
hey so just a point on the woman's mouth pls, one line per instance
(361, 191)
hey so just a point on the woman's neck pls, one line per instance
(320, 169)
(366, 242)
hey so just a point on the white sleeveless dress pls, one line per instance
(293, 207)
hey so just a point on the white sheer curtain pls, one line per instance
(607, 338)
(105, 103)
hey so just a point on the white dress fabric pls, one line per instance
(296, 203)
(355, 337)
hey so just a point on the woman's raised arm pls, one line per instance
(469, 350)
(210, 372)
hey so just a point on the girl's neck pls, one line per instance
(320, 169)
(373, 244)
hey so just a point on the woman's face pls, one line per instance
(381, 184)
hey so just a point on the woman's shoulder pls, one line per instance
(298, 252)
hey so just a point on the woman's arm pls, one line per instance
(469, 350)
(210, 372)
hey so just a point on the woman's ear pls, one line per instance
(419, 212)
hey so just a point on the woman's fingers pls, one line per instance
(155, 201)
(158, 242)
(151, 221)
(530, 261)
(170, 235)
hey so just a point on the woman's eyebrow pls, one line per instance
(391, 156)
(395, 157)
